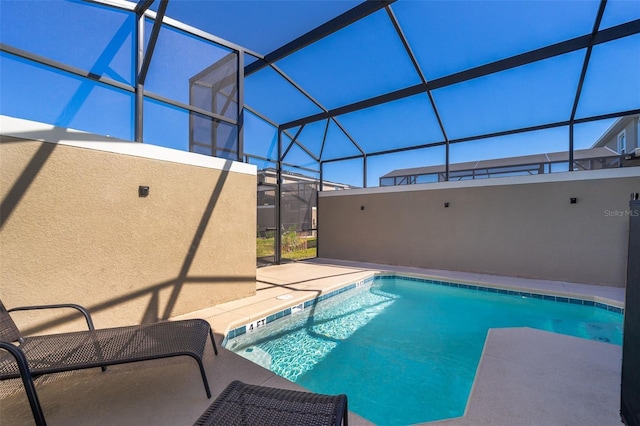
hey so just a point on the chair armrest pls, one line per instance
(27, 381)
(82, 310)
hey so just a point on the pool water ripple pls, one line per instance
(407, 352)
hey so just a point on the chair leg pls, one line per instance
(204, 377)
(213, 340)
(27, 381)
(346, 413)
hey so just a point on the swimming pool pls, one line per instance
(405, 350)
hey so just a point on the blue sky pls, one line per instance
(363, 60)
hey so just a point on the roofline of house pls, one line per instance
(611, 131)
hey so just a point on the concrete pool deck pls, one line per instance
(534, 377)
(525, 377)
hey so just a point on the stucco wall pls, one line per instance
(75, 230)
(510, 228)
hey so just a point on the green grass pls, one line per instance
(300, 254)
(264, 247)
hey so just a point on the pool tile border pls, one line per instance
(550, 297)
(239, 331)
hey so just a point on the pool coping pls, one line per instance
(303, 279)
(268, 316)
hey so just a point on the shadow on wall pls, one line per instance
(153, 311)
(101, 67)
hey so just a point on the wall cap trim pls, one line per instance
(36, 131)
(582, 175)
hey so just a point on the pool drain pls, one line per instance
(284, 296)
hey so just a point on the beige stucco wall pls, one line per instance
(513, 229)
(78, 232)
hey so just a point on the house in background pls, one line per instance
(623, 137)
(619, 146)
(526, 165)
(298, 202)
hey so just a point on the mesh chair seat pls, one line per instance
(243, 405)
(33, 356)
(56, 353)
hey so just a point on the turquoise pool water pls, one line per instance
(406, 352)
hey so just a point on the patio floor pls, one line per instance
(525, 377)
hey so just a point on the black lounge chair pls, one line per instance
(241, 404)
(54, 353)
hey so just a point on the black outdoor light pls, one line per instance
(143, 191)
(361, 207)
(573, 200)
(446, 205)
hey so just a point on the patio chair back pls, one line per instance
(8, 330)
